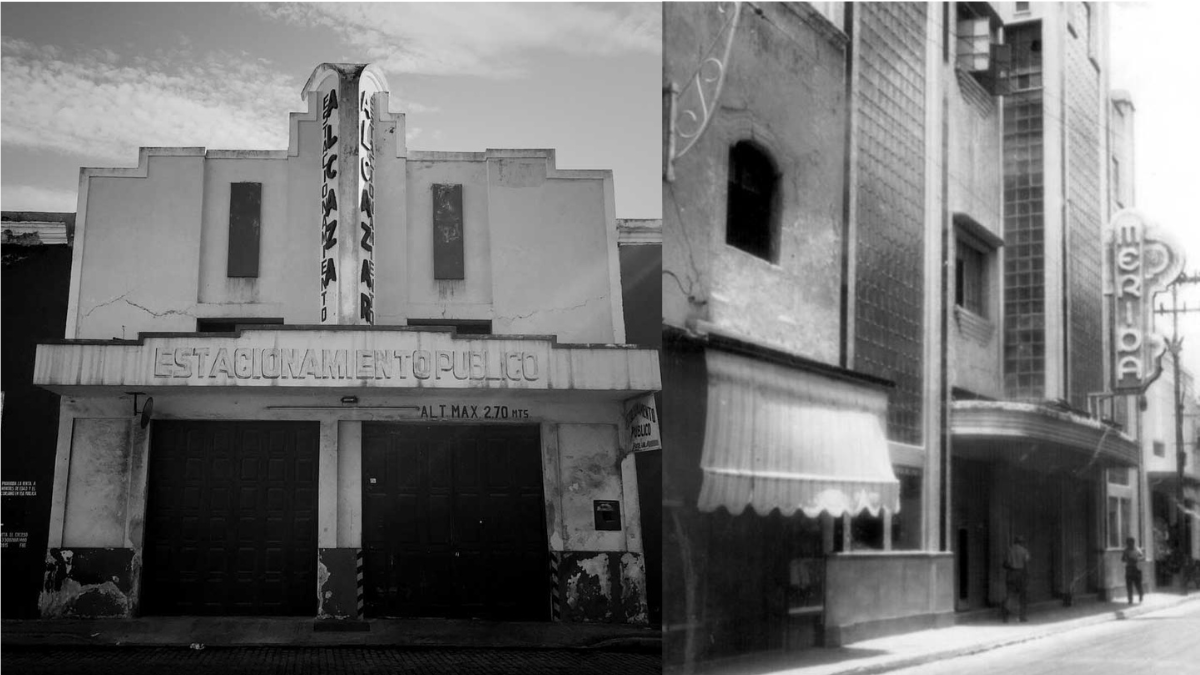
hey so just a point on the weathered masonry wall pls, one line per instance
(792, 303)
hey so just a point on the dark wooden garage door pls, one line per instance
(453, 522)
(231, 519)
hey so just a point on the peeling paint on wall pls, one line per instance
(603, 587)
(633, 589)
(322, 594)
(337, 583)
(89, 583)
(589, 589)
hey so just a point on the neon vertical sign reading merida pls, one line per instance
(1143, 260)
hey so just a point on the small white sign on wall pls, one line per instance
(641, 424)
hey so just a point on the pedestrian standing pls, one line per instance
(1016, 582)
(1131, 556)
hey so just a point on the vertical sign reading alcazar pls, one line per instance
(348, 111)
(1143, 261)
(329, 203)
(366, 201)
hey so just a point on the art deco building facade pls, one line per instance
(385, 383)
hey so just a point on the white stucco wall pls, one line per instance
(97, 485)
(540, 243)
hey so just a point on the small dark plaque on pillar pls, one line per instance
(608, 514)
(448, 260)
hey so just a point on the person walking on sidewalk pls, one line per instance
(1131, 556)
(1016, 582)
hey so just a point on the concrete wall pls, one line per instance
(540, 243)
(792, 304)
(99, 477)
(974, 190)
(97, 516)
(874, 594)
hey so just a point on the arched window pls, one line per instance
(750, 216)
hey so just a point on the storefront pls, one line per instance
(783, 506)
(1028, 470)
(389, 473)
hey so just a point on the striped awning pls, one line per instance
(784, 438)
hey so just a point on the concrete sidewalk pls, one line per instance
(307, 632)
(980, 632)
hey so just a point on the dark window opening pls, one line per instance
(1022, 6)
(460, 326)
(245, 225)
(970, 279)
(232, 325)
(449, 262)
(964, 564)
(749, 221)
(1160, 450)
(979, 49)
(906, 525)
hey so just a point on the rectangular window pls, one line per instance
(232, 324)
(974, 44)
(970, 279)
(1118, 476)
(1022, 7)
(448, 261)
(979, 51)
(460, 326)
(906, 525)
(1160, 450)
(245, 225)
(1120, 517)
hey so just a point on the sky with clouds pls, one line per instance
(87, 84)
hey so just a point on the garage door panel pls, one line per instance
(452, 501)
(241, 521)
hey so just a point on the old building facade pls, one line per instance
(800, 303)
(952, 196)
(385, 383)
(1029, 325)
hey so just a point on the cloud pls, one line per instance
(491, 40)
(104, 105)
(33, 198)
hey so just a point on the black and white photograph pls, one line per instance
(928, 354)
(694, 338)
(330, 338)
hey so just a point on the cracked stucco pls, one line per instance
(553, 310)
(123, 298)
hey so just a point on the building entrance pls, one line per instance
(231, 519)
(454, 522)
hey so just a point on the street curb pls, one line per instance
(1056, 629)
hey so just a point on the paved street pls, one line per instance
(294, 661)
(1160, 642)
